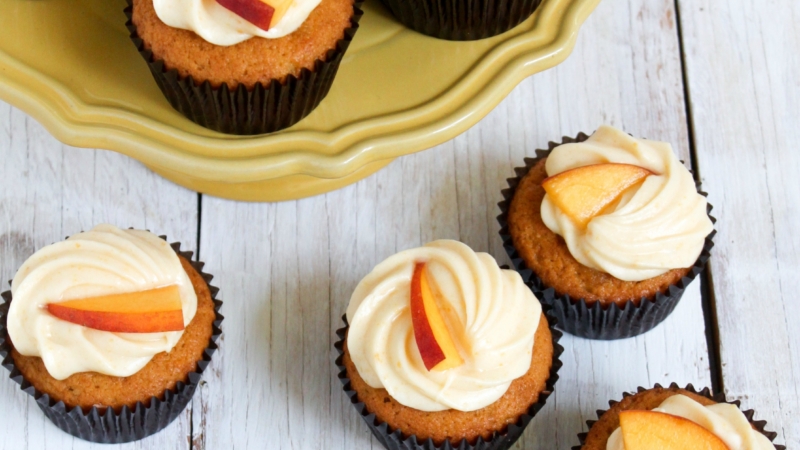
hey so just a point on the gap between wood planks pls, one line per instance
(706, 281)
(196, 258)
(708, 299)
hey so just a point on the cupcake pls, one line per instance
(464, 20)
(608, 230)
(243, 66)
(444, 348)
(674, 418)
(109, 331)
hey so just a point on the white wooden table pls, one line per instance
(719, 79)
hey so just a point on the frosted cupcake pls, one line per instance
(445, 347)
(675, 418)
(243, 66)
(612, 228)
(112, 328)
(463, 20)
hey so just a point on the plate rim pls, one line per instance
(355, 145)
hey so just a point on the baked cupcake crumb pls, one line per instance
(547, 254)
(456, 425)
(256, 60)
(162, 373)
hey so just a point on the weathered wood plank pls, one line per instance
(49, 191)
(634, 84)
(742, 67)
(287, 270)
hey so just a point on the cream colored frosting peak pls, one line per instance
(220, 26)
(492, 314)
(103, 261)
(724, 420)
(656, 227)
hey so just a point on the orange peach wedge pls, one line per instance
(430, 332)
(650, 430)
(150, 311)
(583, 192)
(261, 13)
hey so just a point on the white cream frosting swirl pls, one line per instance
(103, 261)
(490, 312)
(722, 419)
(656, 227)
(220, 26)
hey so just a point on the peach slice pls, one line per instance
(150, 311)
(583, 192)
(430, 332)
(263, 14)
(651, 430)
(281, 6)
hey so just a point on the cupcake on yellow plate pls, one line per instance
(445, 348)
(110, 332)
(609, 230)
(676, 418)
(463, 20)
(243, 66)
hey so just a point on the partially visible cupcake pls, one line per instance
(445, 348)
(609, 229)
(675, 418)
(112, 328)
(463, 20)
(243, 66)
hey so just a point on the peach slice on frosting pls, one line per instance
(651, 430)
(435, 344)
(263, 14)
(150, 311)
(583, 192)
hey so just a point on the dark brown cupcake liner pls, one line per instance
(243, 111)
(395, 440)
(110, 426)
(596, 321)
(758, 425)
(461, 20)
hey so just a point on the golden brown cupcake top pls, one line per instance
(655, 222)
(659, 416)
(682, 422)
(249, 62)
(489, 314)
(90, 277)
(162, 373)
(547, 254)
(454, 425)
(229, 22)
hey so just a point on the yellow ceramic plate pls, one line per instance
(71, 65)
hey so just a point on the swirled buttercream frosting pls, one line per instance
(103, 261)
(220, 26)
(724, 420)
(491, 314)
(655, 226)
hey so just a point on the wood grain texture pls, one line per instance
(287, 270)
(742, 69)
(49, 191)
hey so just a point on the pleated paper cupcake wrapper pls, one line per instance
(461, 20)
(109, 426)
(576, 316)
(262, 109)
(395, 439)
(758, 425)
